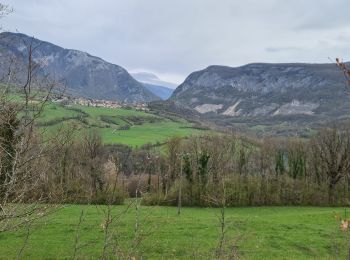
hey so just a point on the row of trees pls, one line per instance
(198, 169)
(267, 172)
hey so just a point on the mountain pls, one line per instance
(160, 91)
(267, 94)
(152, 79)
(158, 87)
(83, 74)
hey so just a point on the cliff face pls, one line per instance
(264, 90)
(84, 75)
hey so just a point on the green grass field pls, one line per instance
(261, 233)
(143, 127)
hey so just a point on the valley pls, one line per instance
(174, 130)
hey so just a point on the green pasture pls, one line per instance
(141, 127)
(256, 233)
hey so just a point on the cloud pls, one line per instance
(325, 15)
(174, 38)
(282, 49)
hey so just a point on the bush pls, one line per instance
(124, 127)
(107, 198)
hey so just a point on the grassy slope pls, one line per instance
(148, 132)
(53, 111)
(268, 233)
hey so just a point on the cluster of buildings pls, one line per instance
(97, 103)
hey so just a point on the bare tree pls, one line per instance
(23, 148)
(4, 10)
(179, 202)
(226, 248)
(333, 149)
(93, 148)
(344, 68)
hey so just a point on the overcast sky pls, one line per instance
(173, 38)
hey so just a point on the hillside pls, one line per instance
(117, 125)
(82, 74)
(262, 96)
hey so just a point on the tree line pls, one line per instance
(76, 167)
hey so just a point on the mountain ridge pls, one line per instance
(85, 75)
(267, 93)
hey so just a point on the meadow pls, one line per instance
(121, 125)
(257, 232)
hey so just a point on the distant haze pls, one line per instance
(150, 78)
(174, 38)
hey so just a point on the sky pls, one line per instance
(173, 38)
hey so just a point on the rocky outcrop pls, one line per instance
(266, 90)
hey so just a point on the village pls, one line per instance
(69, 100)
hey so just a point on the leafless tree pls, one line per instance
(23, 148)
(179, 202)
(226, 247)
(4, 10)
(344, 68)
(93, 148)
(333, 149)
